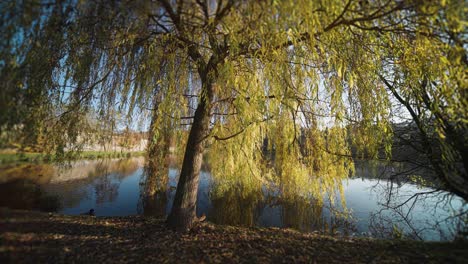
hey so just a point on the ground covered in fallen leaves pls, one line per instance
(35, 237)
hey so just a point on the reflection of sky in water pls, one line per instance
(115, 193)
(124, 203)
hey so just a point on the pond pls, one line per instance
(371, 207)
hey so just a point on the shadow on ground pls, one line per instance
(27, 236)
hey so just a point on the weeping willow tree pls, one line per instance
(425, 69)
(224, 75)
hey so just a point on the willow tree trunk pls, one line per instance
(183, 212)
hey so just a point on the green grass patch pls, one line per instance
(7, 158)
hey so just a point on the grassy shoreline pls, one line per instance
(28, 236)
(28, 157)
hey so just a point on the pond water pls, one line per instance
(372, 207)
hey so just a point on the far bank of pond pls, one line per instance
(374, 205)
(14, 157)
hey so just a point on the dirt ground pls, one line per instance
(33, 237)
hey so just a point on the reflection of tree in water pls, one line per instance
(27, 195)
(301, 213)
(48, 187)
(119, 168)
(125, 168)
(154, 191)
(39, 173)
(106, 189)
(110, 174)
(235, 204)
(74, 181)
(305, 213)
(424, 214)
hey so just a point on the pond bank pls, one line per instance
(27, 236)
(11, 158)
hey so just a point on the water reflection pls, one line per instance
(383, 207)
(39, 173)
(235, 204)
(106, 189)
(407, 211)
(308, 214)
(25, 194)
(68, 188)
(406, 202)
(154, 192)
(109, 176)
